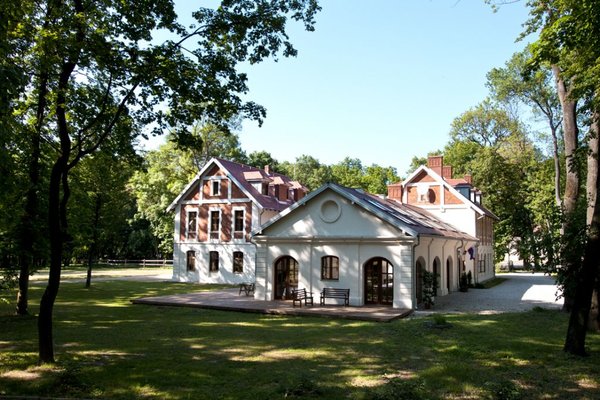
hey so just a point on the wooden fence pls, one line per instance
(143, 263)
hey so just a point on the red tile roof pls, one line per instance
(240, 171)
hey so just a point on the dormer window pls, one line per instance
(215, 188)
(464, 190)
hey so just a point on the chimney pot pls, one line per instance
(268, 169)
(435, 163)
(447, 172)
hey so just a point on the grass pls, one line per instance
(108, 348)
(490, 283)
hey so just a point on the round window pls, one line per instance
(330, 211)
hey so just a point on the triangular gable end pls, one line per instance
(437, 178)
(210, 164)
(348, 197)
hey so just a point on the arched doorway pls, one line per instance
(286, 277)
(448, 274)
(436, 274)
(379, 281)
(420, 267)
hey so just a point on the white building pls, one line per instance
(346, 238)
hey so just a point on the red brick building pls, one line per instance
(215, 214)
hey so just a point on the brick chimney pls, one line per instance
(435, 163)
(447, 171)
(469, 179)
(395, 191)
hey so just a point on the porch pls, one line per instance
(231, 300)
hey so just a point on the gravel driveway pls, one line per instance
(519, 292)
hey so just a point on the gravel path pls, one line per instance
(520, 292)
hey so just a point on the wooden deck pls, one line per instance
(230, 300)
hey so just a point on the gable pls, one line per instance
(200, 188)
(331, 215)
(423, 176)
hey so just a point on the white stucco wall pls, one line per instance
(355, 236)
(353, 255)
(225, 273)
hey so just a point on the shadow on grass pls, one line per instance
(108, 348)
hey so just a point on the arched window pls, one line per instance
(330, 268)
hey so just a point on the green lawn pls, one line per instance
(108, 348)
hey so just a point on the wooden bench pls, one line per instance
(247, 288)
(333, 293)
(301, 294)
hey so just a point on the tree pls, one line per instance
(569, 40)
(348, 172)
(493, 146)
(166, 172)
(308, 171)
(95, 73)
(207, 140)
(376, 178)
(517, 82)
(486, 125)
(101, 206)
(260, 159)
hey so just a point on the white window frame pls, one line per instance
(233, 231)
(187, 224)
(210, 231)
(212, 187)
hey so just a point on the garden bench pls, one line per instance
(247, 288)
(334, 293)
(301, 294)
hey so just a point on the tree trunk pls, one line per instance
(569, 108)
(556, 156)
(46, 343)
(592, 193)
(56, 216)
(94, 244)
(578, 321)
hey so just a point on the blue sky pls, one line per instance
(379, 80)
